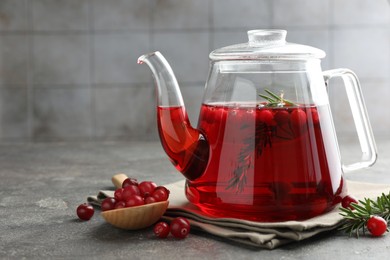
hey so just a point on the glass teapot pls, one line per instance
(265, 147)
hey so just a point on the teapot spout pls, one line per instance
(168, 92)
(186, 147)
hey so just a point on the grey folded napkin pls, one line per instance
(258, 234)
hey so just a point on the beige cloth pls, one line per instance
(258, 234)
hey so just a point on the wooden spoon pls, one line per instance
(134, 218)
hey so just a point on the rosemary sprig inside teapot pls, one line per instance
(274, 100)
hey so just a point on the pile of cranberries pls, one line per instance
(376, 225)
(131, 194)
(134, 194)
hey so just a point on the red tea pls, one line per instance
(263, 164)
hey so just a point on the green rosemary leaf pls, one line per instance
(344, 214)
(383, 202)
(272, 105)
(268, 98)
(349, 228)
(346, 227)
(347, 212)
(360, 209)
(356, 228)
(288, 102)
(367, 204)
(386, 198)
(360, 227)
(349, 217)
(378, 203)
(273, 95)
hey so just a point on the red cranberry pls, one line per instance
(161, 229)
(130, 191)
(180, 227)
(146, 188)
(129, 181)
(282, 117)
(135, 200)
(118, 194)
(85, 211)
(108, 204)
(347, 200)
(160, 193)
(314, 116)
(376, 225)
(298, 118)
(265, 116)
(149, 200)
(120, 204)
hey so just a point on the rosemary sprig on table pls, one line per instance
(356, 219)
(275, 100)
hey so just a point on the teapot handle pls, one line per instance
(360, 116)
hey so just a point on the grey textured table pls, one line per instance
(42, 184)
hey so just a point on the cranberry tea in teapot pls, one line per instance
(265, 147)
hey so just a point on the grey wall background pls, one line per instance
(68, 67)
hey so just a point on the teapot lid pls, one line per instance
(266, 44)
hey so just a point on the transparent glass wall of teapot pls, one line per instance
(244, 82)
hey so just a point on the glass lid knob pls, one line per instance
(267, 37)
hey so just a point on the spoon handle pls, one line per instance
(118, 179)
